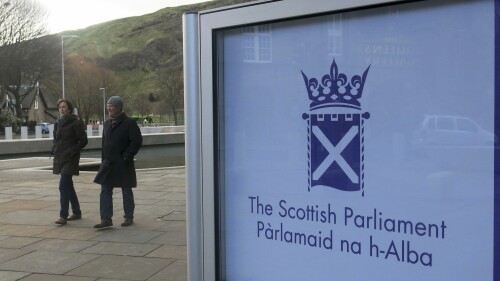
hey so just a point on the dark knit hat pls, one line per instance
(116, 101)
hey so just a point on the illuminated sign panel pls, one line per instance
(358, 145)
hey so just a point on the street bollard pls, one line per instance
(89, 130)
(8, 133)
(24, 132)
(38, 132)
(51, 130)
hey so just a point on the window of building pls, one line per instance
(257, 43)
(335, 35)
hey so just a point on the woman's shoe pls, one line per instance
(75, 217)
(61, 221)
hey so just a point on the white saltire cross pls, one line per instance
(334, 153)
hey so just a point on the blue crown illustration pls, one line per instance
(335, 90)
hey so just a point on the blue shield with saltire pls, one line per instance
(336, 151)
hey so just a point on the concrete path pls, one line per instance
(33, 248)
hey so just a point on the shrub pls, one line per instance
(7, 119)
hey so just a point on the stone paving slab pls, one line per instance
(49, 262)
(24, 230)
(175, 216)
(14, 205)
(60, 245)
(28, 197)
(5, 199)
(151, 194)
(173, 196)
(32, 217)
(169, 252)
(126, 268)
(10, 254)
(52, 277)
(17, 242)
(178, 226)
(33, 248)
(68, 232)
(175, 203)
(130, 236)
(121, 249)
(175, 272)
(12, 276)
(170, 238)
(157, 210)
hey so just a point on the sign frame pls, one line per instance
(201, 46)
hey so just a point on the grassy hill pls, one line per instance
(136, 48)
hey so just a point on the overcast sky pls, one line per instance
(77, 14)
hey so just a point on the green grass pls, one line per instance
(105, 42)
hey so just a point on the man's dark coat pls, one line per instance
(69, 139)
(120, 143)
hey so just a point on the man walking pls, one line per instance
(121, 140)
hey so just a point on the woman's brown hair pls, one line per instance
(68, 103)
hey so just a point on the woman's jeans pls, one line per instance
(106, 202)
(68, 194)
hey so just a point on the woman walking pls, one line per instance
(69, 139)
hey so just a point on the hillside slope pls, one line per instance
(136, 48)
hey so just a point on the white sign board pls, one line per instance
(359, 145)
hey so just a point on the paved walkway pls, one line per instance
(33, 248)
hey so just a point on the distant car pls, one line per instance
(451, 130)
(45, 127)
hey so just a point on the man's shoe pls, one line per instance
(74, 217)
(104, 223)
(61, 221)
(127, 222)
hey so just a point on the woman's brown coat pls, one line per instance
(69, 139)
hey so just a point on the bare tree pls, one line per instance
(140, 105)
(21, 20)
(171, 87)
(22, 58)
(85, 78)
